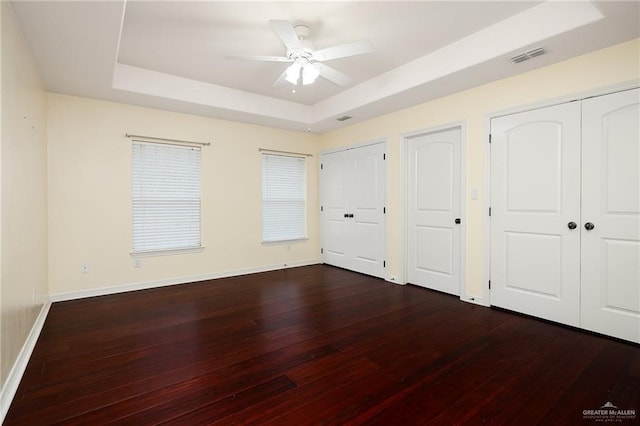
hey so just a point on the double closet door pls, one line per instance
(352, 217)
(565, 213)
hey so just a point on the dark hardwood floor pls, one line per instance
(314, 345)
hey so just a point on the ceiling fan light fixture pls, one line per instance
(309, 74)
(293, 73)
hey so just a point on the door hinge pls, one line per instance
(489, 211)
(489, 137)
(384, 210)
(489, 284)
(321, 166)
(321, 208)
(384, 263)
(321, 251)
(384, 156)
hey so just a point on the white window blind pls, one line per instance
(283, 198)
(166, 197)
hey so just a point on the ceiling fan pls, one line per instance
(306, 60)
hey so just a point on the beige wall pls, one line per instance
(90, 195)
(89, 176)
(597, 70)
(23, 196)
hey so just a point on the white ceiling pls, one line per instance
(172, 55)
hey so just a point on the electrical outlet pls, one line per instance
(84, 268)
(137, 263)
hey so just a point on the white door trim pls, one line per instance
(486, 203)
(607, 90)
(356, 145)
(404, 181)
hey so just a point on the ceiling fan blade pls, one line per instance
(332, 74)
(259, 58)
(343, 50)
(284, 30)
(281, 80)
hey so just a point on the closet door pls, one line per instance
(366, 214)
(535, 218)
(352, 192)
(610, 302)
(335, 194)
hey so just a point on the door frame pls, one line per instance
(385, 172)
(486, 150)
(404, 176)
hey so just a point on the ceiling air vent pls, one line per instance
(519, 58)
(344, 118)
(528, 55)
(536, 52)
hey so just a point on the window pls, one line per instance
(166, 197)
(283, 198)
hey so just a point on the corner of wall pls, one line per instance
(23, 205)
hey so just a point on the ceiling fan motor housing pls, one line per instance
(302, 31)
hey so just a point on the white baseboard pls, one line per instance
(20, 365)
(474, 299)
(72, 295)
(395, 280)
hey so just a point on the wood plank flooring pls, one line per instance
(314, 345)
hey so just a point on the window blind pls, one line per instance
(166, 197)
(283, 198)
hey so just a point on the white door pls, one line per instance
(535, 201)
(367, 209)
(434, 207)
(335, 192)
(611, 202)
(353, 209)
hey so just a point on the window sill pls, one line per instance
(283, 242)
(166, 252)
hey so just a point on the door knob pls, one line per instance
(458, 221)
(346, 215)
(350, 214)
(589, 226)
(572, 225)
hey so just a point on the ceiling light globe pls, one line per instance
(309, 74)
(293, 73)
